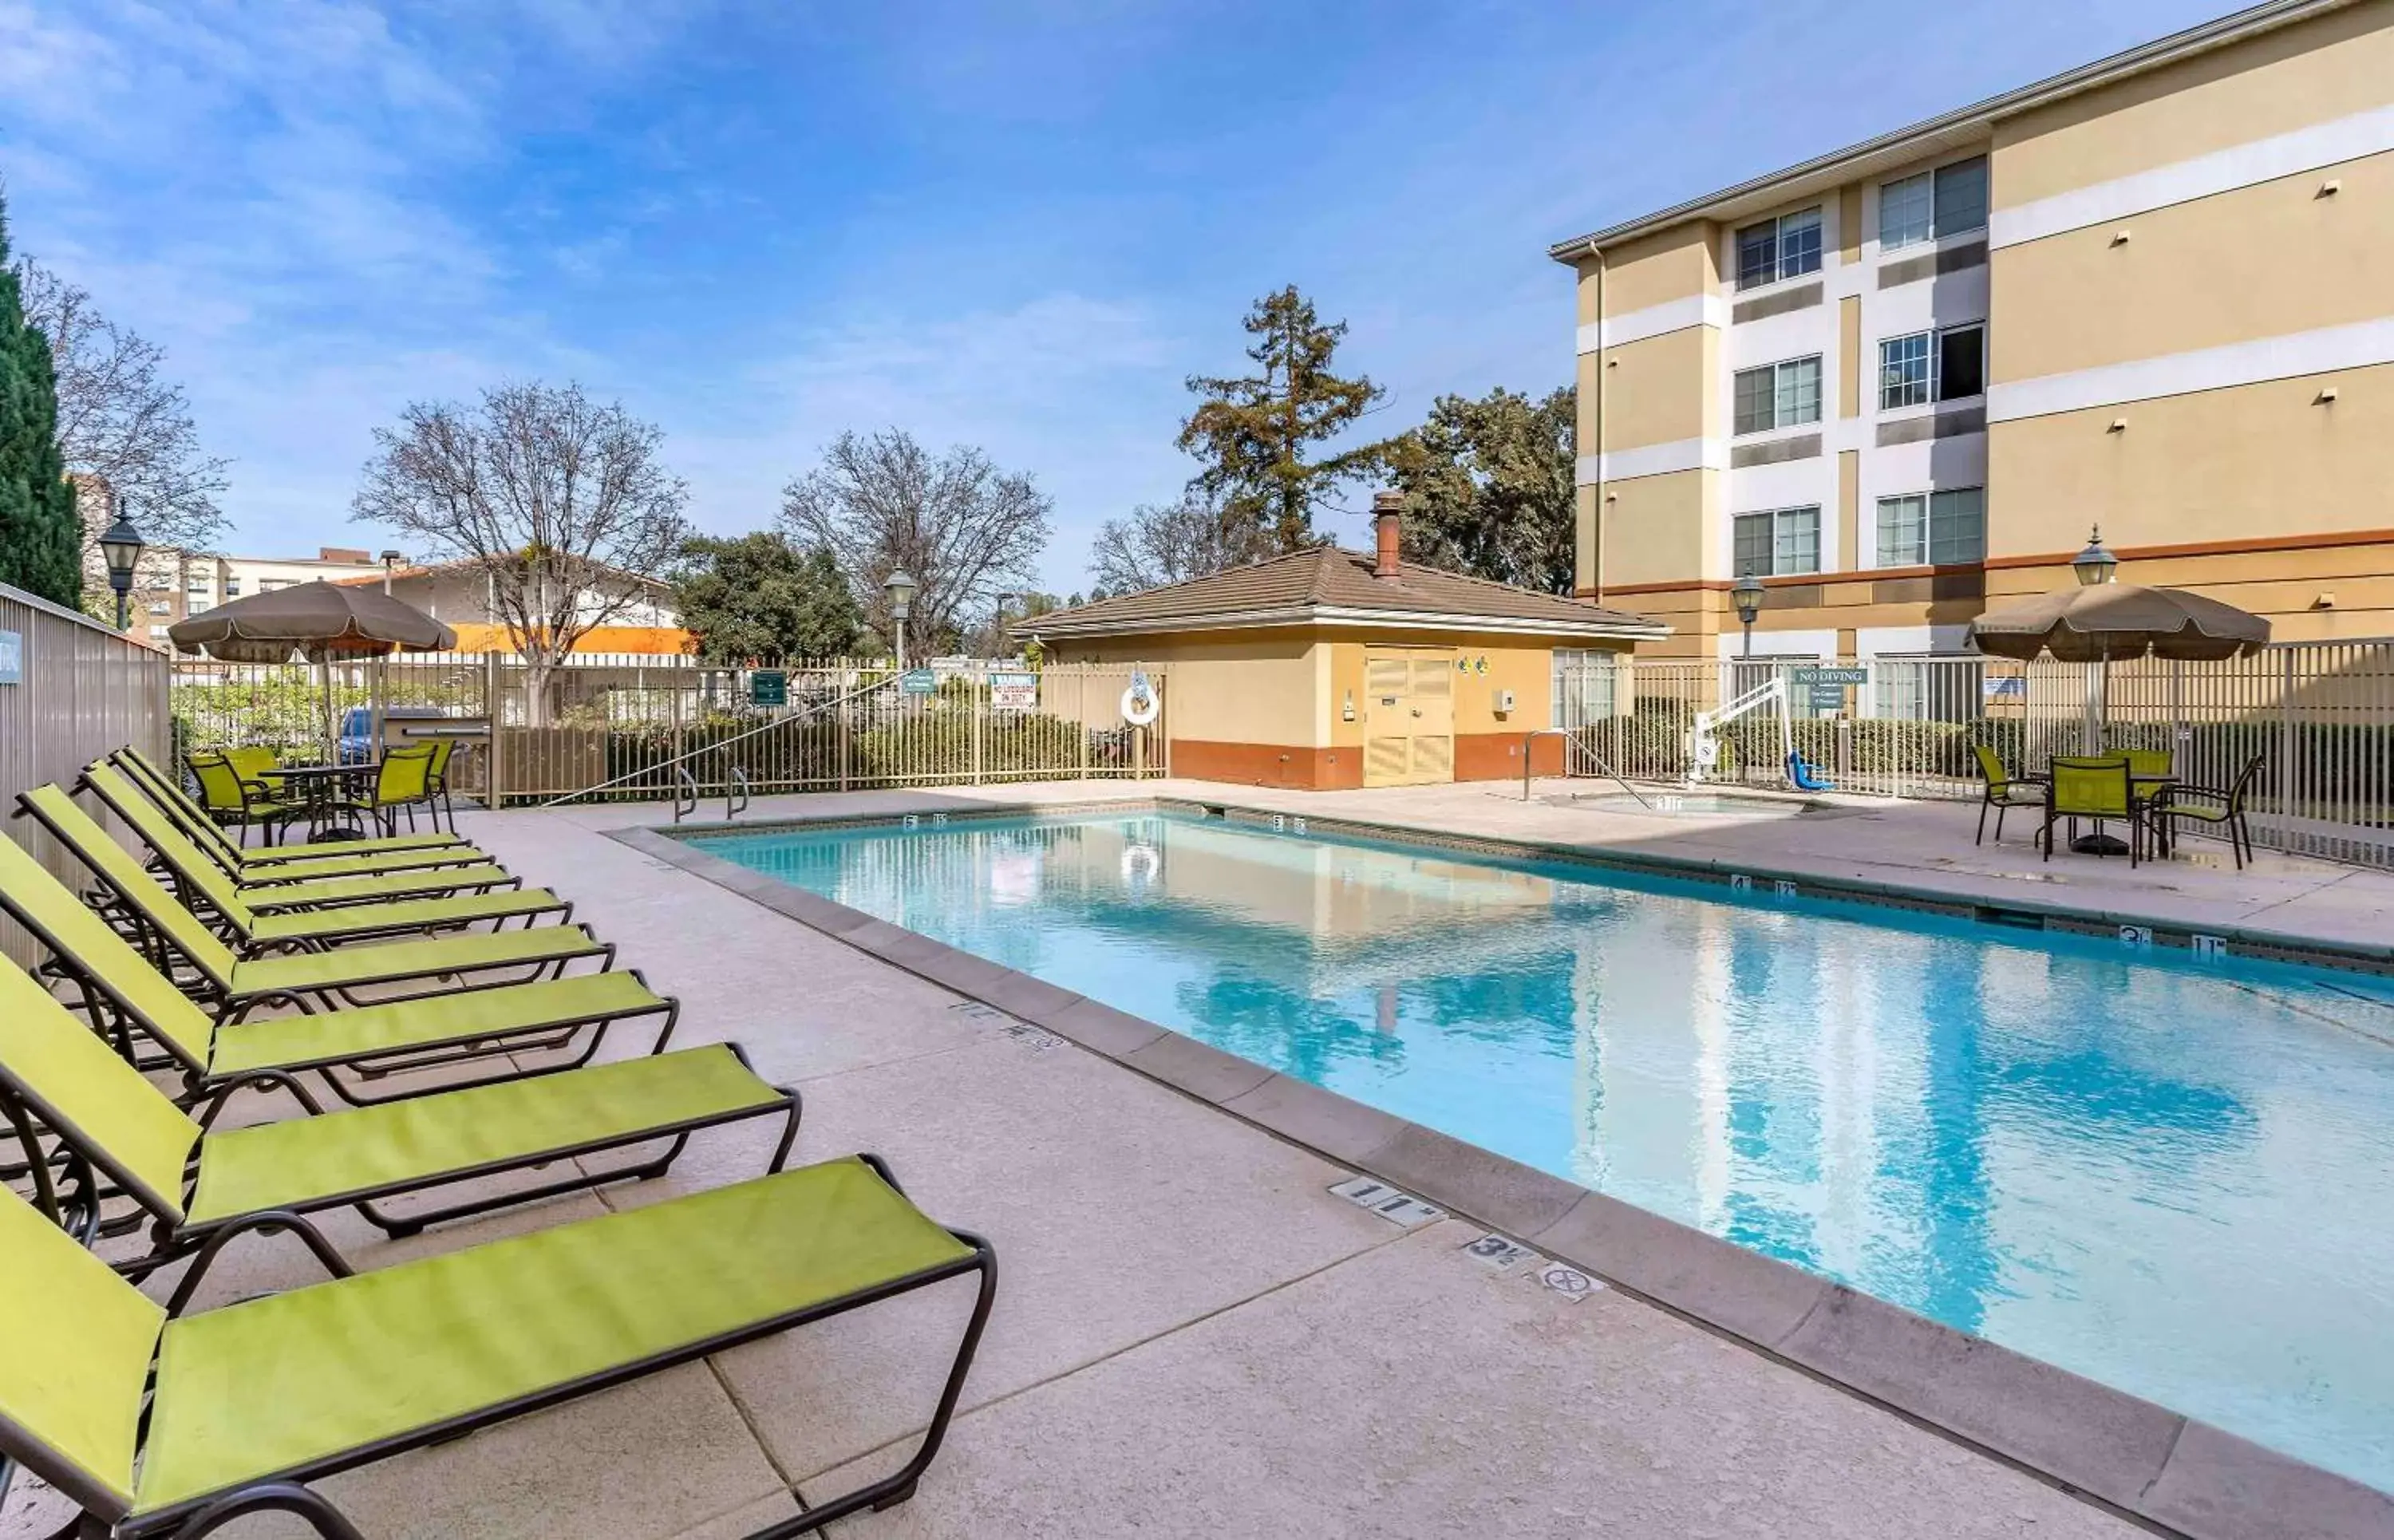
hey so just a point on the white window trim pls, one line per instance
(1935, 404)
(1764, 435)
(1927, 497)
(1933, 242)
(1828, 248)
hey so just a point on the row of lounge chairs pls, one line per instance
(389, 958)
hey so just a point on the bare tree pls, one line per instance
(558, 502)
(963, 529)
(1172, 543)
(122, 421)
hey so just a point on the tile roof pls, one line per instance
(1325, 583)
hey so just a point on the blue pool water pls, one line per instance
(2174, 1177)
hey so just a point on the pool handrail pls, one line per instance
(1571, 741)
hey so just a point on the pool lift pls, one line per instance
(1704, 738)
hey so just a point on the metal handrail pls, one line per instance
(1571, 738)
(676, 762)
(739, 783)
(690, 784)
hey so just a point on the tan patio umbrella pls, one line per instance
(322, 622)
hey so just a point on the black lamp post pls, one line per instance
(2094, 566)
(1746, 594)
(899, 586)
(120, 548)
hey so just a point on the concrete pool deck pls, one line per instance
(1193, 1336)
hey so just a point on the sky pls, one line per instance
(1016, 225)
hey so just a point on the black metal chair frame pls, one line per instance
(275, 825)
(2232, 798)
(2134, 817)
(286, 1492)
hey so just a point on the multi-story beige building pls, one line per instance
(1900, 382)
(172, 585)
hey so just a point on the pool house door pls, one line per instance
(1408, 716)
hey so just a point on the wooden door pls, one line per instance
(1408, 716)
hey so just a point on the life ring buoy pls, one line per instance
(1140, 703)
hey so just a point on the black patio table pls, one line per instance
(318, 788)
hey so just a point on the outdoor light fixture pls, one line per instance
(2095, 565)
(899, 586)
(390, 561)
(120, 548)
(1746, 594)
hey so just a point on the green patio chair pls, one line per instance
(2218, 809)
(2090, 787)
(445, 750)
(233, 801)
(274, 915)
(402, 780)
(157, 1420)
(193, 818)
(2002, 791)
(124, 995)
(239, 981)
(270, 891)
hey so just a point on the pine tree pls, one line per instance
(41, 544)
(1254, 429)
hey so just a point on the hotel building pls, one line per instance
(1900, 382)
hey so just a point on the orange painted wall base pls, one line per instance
(1477, 756)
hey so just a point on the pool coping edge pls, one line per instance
(2133, 1456)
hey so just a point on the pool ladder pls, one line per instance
(1573, 744)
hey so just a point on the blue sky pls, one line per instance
(1015, 225)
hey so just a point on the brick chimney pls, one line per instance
(1388, 508)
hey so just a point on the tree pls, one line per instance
(1489, 488)
(1157, 544)
(757, 596)
(121, 421)
(964, 530)
(560, 501)
(41, 542)
(1253, 430)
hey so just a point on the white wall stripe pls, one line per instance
(1654, 460)
(1672, 315)
(2223, 171)
(2356, 345)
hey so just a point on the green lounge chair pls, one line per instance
(2002, 791)
(2220, 809)
(194, 821)
(124, 995)
(2091, 787)
(267, 892)
(158, 1420)
(204, 887)
(190, 1179)
(238, 982)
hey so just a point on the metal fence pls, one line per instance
(628, 721)
(71, 690)
(2319, 717)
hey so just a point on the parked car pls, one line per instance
(356, 727)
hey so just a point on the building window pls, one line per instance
(161, 609)
(1788, 246)
(1583, 680)
(1938, 688)
(157, 633)
(1933, 204)
(232, 588)
(267, 584)
(1778, 543)
(1935, 528)
(1920, 367)
(1777, 395)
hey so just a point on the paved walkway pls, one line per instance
(1192, 1336)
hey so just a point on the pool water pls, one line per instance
(2172, 1176)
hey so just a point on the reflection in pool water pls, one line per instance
(2172, 1176)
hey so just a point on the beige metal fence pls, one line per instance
(71, 690)
(2318, 715)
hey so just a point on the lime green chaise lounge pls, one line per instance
(326, 858)
(159, 1421)
(190, 1179)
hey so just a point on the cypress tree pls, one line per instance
(40, 541)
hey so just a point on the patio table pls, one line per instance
(320, 787)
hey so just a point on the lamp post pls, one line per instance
(1746, 594)
(1004, 595)
(2094, 566)
(390, 561)
(899, 586)
(120, 548)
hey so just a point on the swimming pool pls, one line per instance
(2174, 1177)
